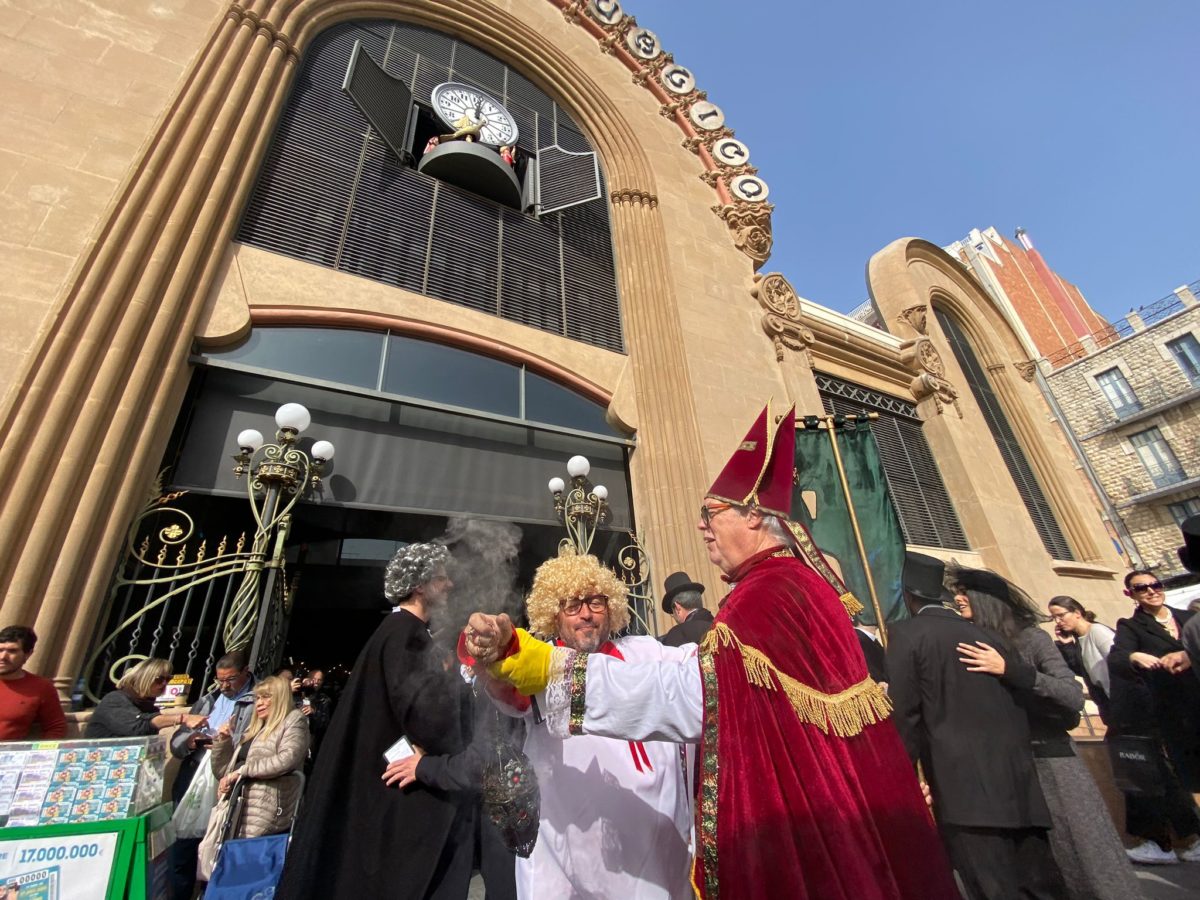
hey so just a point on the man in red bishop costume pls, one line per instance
(804, 787)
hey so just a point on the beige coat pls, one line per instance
(273, 792)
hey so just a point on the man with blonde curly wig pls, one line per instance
(356, 837)
(615, 814)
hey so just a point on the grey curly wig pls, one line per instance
(411, 567)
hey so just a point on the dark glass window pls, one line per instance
(546, 401)
(420, 370)
(451, 376)
(1156, 455)
(1010, 448)
(1185, 509)
(1118, 392)
(1186, 351)
(328, 354)
(331, 193)
(922, 503)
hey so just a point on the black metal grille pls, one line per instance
(330, 193)
(922, 502)
(1018, 466)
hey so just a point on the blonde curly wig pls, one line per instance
(565, 577)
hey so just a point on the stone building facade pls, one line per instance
(171, 273)
(1131, 394)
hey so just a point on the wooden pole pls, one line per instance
(862, 550)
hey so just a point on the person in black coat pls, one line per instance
(683, 600)
(356, 837)
(971, 736)
(1156, 696)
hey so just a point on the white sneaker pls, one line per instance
(1191, 854)
(1148, 853)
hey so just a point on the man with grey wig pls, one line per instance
(356, 837)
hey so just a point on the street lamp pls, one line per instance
(279, 475)
(580, 508)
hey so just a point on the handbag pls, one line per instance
(195, 807)
(1138, 764)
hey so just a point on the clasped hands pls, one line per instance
(1175, 663)
(486, 636)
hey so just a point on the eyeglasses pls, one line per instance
(707, 512)
(597, 603)
(229, 681)
(1143, 588)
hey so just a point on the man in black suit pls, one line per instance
(972, 738)
(683, 600)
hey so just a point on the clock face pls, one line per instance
(453, 100)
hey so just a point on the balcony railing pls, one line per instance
(1143, 316)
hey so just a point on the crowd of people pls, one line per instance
(774, 749)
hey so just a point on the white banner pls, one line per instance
(73, 867)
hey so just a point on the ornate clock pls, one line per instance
(462, 105)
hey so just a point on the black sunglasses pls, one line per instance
(1148, 586)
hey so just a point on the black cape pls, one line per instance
(357, 839)
(968, 729)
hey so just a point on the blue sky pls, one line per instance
(870, 121)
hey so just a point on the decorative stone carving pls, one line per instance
(751, 227)
(915, 317)
(921, 358)
(726, 159)
(781, 316)
(943, 393)
(1026, 369)
(634, 197)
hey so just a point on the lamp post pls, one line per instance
(581, 508)
(279, 475)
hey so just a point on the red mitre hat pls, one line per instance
(760, 471)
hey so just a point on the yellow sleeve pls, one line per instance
(528, 670)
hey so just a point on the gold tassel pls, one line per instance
(847, 712)
(852, 604)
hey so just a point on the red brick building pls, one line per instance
(1053, 311)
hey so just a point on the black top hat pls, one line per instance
(923, 576)
(1189, 553)
(676, 582)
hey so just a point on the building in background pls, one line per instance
(202, 222)
(1131, 393)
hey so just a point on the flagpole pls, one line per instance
(862, 550)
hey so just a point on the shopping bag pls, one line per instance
(195, 806)
(1138, 764)
(210, 846)
(248, 868)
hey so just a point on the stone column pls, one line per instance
(85, 437)
(667, 470)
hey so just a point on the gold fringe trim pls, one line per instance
(853, 606)
(847, 712)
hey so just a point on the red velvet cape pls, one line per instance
(785, 810)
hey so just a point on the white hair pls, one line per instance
(411, 567)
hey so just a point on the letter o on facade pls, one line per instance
(750, 188)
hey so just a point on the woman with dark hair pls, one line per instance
(1155, 696)
(1084, 842)
(1092, 641)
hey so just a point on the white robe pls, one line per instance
(608, 830)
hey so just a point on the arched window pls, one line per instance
(1010, 449)
(405, 368)
(333, 193)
